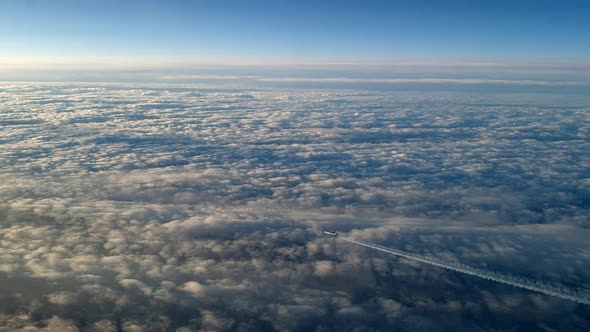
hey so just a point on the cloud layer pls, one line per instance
(185, 208)
(525, 75)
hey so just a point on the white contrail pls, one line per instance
(508, 279)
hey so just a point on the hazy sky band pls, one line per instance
(277, 70)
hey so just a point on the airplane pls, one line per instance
(331, 233)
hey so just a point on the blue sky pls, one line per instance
(302, 29)
(325, 31)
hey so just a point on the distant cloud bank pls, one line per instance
(276, 70)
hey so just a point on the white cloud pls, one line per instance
(130, 206)
(194, 288)
(62, 298)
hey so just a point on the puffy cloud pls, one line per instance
(62, 298)
(134, 207)
(194, 288)
(323, 268)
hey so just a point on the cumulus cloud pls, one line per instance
(193, 288)
(138, 208)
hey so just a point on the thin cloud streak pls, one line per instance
(290, 69)
(412, 80)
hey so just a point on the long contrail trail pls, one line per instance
(508, 279)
